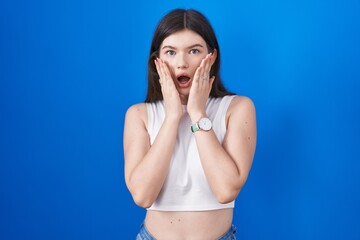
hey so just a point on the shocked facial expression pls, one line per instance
(183, 52)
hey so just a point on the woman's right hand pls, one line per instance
(173, 108)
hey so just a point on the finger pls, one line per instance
(167, 74)
(164, 73)
(197, 75)
(157, 66)
(169, 82)
(207, 63)
(158, 69)
(206, 69)
(167, 71)
(161, 68)
(212, 79)
(203, 78)
(203, 62)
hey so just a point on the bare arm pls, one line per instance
(227, 166)
(146, 166)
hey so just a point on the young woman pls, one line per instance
(189, 148)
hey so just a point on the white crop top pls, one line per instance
(186, 187)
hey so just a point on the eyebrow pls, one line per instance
(192, 46)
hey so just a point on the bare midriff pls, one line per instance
(197, 225)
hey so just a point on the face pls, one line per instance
(183, 52)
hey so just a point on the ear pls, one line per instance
(213, 57)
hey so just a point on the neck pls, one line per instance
(184, 99)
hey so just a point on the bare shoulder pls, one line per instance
(136, 113)
(241, 125)
(241, 105)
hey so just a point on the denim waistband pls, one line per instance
(230, 234)
(145, 235)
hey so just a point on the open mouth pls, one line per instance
(183, 81)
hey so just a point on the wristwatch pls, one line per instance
(203, 124)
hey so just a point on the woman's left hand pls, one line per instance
(200, 89)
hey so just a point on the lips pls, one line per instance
(183, 81)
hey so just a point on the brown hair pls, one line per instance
(177, 20)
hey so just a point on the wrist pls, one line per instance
(195, 116)
(172, 119)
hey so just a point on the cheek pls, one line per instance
(195, 63)
(170, 63)
(171, 67)
(196, 60)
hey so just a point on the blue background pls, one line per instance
(70, 69)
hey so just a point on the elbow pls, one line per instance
(140, 196)
(229, 194)
(226, 196)
(142, 201)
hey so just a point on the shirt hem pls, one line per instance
(190, 208)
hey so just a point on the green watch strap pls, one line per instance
(195, 127)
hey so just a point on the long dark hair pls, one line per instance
(174, 21)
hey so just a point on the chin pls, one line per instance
(184, 91)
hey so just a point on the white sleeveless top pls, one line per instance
(186, 187)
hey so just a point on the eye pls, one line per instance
(194, 51)
(170, 52)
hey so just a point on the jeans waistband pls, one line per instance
(144, 234)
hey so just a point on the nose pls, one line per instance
(182, 62)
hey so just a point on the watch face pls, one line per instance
(205, 124)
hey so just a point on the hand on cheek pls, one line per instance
(173, 108)
(200, 89)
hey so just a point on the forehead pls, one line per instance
(183, 39)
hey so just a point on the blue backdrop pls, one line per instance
(70, 69)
